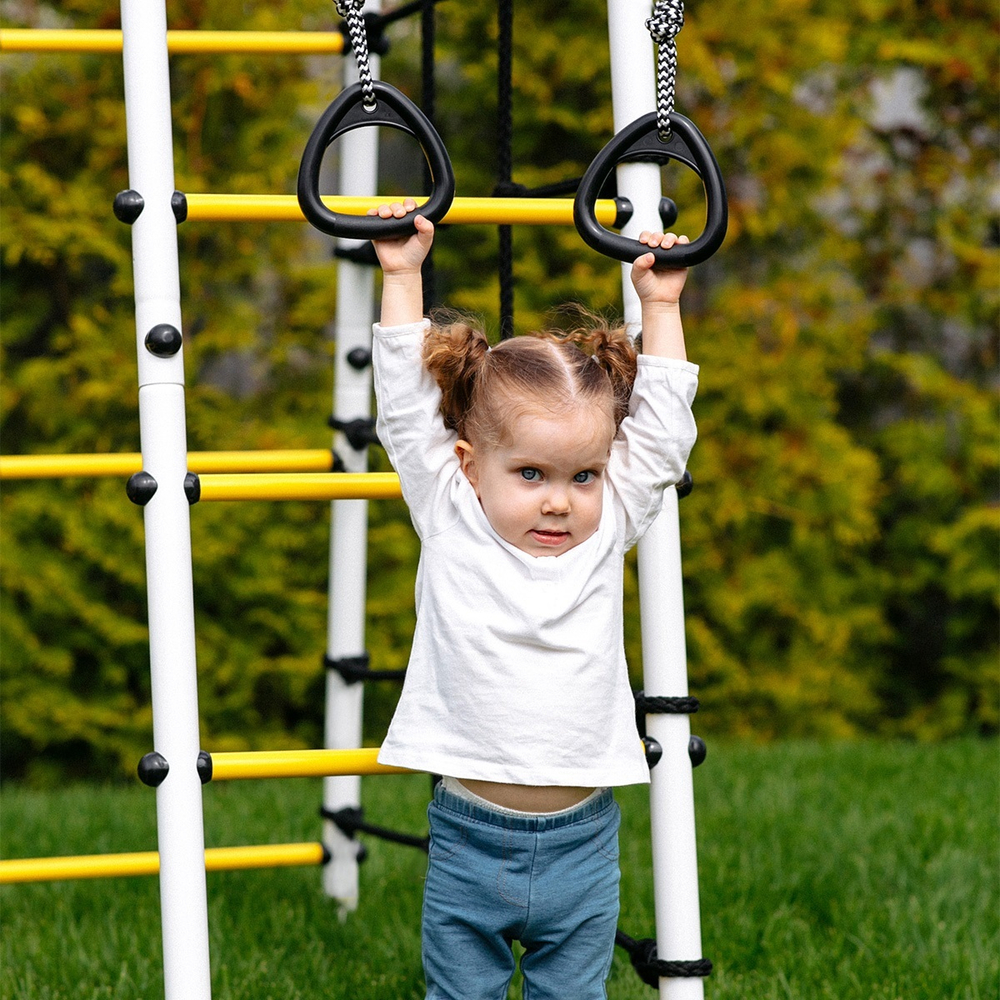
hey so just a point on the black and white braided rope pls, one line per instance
(664, 26)
(350, 11)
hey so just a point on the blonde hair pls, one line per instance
(593, 364)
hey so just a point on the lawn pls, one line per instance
(855, 871)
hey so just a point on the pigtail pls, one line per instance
(610, 347)
(614, 351)
(455, 355)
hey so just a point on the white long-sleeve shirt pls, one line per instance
(517, 670)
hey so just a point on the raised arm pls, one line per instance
(401, 259)
(659, 294)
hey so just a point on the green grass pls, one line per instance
(863, 871)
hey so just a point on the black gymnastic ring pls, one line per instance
(394, 110)
(641, 141)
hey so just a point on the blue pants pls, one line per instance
(550, 882)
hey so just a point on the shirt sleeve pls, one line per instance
(410, 426)
(651, 449)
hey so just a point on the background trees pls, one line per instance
(840, 544)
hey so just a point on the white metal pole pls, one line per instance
(675, 868)
(358, 175)
(180, 830)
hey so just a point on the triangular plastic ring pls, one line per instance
(394, 110)
(641, 141)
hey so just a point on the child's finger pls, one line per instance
(645, 262)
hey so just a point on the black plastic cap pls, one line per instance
(697, 750)
(179, 206)
(153, 769)
(363, 253)
(668, 212)
(359, 358)
(163, 340)
(685, 486)
(653, 751)
(192, 487)
(128, 206)
(624, 211)
(204, 766)
(140, 488)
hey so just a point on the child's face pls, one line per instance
(542, 491)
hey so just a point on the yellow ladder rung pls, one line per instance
(178, 42)
(55, 466)
(483, 211)
(217, 859)
(299, 764)
(302, 486)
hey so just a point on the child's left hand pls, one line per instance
(663, 285)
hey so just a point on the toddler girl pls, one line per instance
(529, 469)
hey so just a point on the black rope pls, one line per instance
(406, 10)
(505, 129)
(360, 432)
(350, 820)
(651, 969)
(428, 100)
(648, 705)
(355, 668)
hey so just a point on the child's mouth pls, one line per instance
(549, 537)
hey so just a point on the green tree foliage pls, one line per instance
(840, 544)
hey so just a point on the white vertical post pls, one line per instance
(664, 653)
(358, 176)
(180, 831)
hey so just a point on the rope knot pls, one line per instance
(667, 20)
(345, 7)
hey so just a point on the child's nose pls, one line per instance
(556, 500)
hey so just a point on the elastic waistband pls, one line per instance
(589, 809)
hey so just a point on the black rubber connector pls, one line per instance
(204, 766)
(128, 206)
(140, 488)
(668, 213)
(654, 751)
(624, 210)
(697, 750)
(685, 486)
(164, 340)
(179, 206)
(362, 253)
(359, 358)
(192, 487)
(153, 769)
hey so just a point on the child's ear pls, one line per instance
(466, 455)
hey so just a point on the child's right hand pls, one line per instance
(403, 254)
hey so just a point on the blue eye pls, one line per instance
(585, 477)
(531, 475)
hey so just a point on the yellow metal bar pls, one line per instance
(484, 211)
(178, 42)
(56, 466)
(217, 859)
(299, 764)
(302, 486)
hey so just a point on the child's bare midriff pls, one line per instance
(527, 798)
